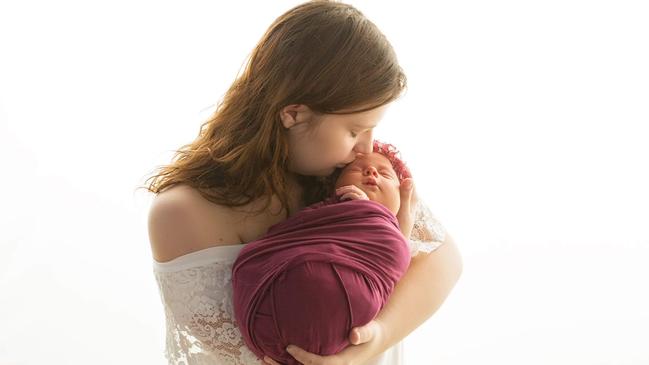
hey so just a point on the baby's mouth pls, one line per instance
(370, 181)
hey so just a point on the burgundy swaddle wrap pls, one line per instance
(313, 277)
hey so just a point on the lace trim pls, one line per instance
(427, 233)
(200, 318)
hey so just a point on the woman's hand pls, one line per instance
(351, 192)
(367, 335)
(406, 213)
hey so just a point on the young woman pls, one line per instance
(314, 87)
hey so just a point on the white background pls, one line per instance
(525, 124)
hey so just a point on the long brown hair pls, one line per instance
(323, 54)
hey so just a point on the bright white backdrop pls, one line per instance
(525, 124)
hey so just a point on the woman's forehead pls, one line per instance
(367, 119)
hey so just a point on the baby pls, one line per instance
(329, 267)
(373, 177)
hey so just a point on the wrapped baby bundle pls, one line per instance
(313, 277)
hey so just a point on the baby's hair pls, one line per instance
(394, 156)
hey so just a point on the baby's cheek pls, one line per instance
(343, 180)
(397, 192)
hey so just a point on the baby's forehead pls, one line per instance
(375, 157)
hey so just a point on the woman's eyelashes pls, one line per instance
(355, 134)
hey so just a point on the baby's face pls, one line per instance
(373, 173)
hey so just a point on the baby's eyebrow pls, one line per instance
(383, 166)
(388, 168)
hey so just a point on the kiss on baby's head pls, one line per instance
(378, 175)
(342, 259)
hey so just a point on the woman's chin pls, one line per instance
(324, 173)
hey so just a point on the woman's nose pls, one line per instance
(365, 145)
(363, 148)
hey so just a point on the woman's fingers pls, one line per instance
(405, 214)
(366, 333)
(356, 338)
(268, 360)
(405, 190)
(303, 356)
(373, 330)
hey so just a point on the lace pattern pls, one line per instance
(427, 233)
(199, 317)
(196, 292)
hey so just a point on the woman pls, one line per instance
(314, 87)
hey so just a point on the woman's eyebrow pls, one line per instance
(357, 124)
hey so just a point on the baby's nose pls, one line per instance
(371, 171)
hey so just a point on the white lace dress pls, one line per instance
(196, 292)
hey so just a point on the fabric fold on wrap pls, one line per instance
(313, 277)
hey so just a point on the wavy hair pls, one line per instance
(324, 54)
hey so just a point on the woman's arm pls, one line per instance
(416, 297)
(445, 265)
(426, 284)
(420, 292)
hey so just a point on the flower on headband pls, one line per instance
(394, 156)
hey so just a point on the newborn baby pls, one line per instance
(330, 267)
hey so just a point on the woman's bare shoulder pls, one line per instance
(181, 221)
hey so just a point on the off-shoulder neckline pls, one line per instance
(220, 253)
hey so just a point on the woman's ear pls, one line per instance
(294, 114)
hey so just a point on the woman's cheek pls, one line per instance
(345, 141)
